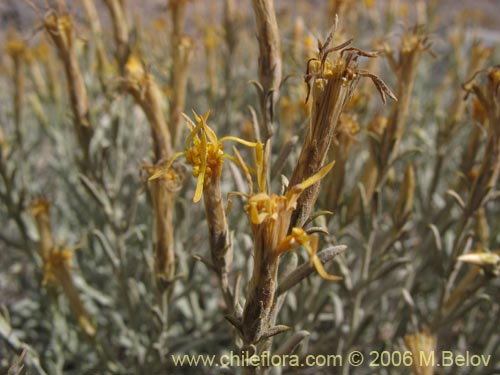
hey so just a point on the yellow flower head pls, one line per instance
(136, 75)
(261, 206)
(60, 27)
(270, 217)
(16, 47)
(204, 151)
(377, 126)
(341, 71)
(349, 124)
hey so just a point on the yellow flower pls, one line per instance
(262, 206)
(60, 27)
(270, 218)
(204, 151)
(348, 125)
(16, 47)
(299, 237)
(377, 126)
(135, 72)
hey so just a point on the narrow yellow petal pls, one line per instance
(254, 215)
(212, 137)
(190, 124)
(312, 250)
(203, 168)
(239, 140)
(289, 243)
(231, 158)
(159, 173)
(193, 134)
(321, 270)
(197, 118)
(199, 188)
(316, 177)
